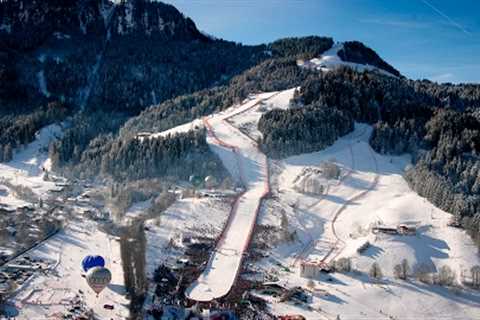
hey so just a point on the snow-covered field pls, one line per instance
(194, 217)
(334, 225)
(47, 294)
(28, 165)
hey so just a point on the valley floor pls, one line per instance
(50, 291)
(48, 294)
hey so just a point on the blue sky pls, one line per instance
(434, 39)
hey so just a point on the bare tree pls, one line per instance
(330, 169)
(227, 183)
(132, 250)
(284, 227)
(161, 203)
(311, 284)
(475, 272)
(446, 276)
(343, 265)
(401, 270)
(375, 271)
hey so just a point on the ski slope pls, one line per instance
(372, 190)
(252, 171)
(28, 163)
(247, 121)
(331, 61)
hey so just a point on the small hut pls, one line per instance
(406, 230)
(383, 229)
(312, 269)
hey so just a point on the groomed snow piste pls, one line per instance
(244, 160)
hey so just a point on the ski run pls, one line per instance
(250, 167)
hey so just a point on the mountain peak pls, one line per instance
(153, 19)
(27, 24)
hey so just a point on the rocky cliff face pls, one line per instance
(27, 24)
(153, 19)
(109, 55)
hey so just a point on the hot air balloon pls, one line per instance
(92, 261)
(210, 182)
(196, 181)
(98, 278)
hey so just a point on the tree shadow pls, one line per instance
(468, 297)
(373, 251)
(329, 278)
(425, 247)
(331, 298)
(366, 279)
(357, 183)
(117, 288)
(464, 296)
(71, 239)
(334, 198)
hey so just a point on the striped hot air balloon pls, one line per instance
(98, 278)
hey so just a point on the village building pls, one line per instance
(401, 229)
(312, 269)
(406, 230)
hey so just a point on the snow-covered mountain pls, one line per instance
(342, 55)
(27, 24)
(77, 51)
(214, 171)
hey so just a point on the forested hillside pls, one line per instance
(276, 73)
(113, 71)
(95, 56)
(302, 130)
(355, 51)
(438, 124)
(177, 157)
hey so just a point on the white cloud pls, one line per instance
(413, 24)
(442, 77)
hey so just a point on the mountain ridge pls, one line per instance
(27, 24)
